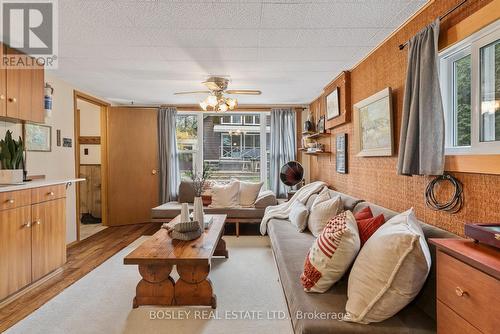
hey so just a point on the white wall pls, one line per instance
(90, 125)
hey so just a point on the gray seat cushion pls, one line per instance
(172, 209)
(290, 248)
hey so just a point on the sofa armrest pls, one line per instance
(266, 198)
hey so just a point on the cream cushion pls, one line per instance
(389, 271)
(298, 216)
(331, 254)
(249, 192)
(226, 195)
(323, 209)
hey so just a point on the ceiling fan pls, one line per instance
(217, 87)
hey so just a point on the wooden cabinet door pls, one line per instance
(48, 237)
(3, 87)
(37, 95)
(133, 164)
(15, 250)
(25, 93)
(12, 84)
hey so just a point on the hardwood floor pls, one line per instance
(82, 258)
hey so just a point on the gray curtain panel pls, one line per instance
(283, 146)
(421, 146)
(168, 158)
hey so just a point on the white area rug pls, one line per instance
(249, 299)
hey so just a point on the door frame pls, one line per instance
(104, 106)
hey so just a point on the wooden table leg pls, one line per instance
(221, 250)
(193, 286)
(156, 286)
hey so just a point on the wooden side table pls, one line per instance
(468, 287)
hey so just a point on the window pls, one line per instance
(187, 142)
(470, 85)
(235, 145)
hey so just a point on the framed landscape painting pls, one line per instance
(332, 104)
(37, 137)
(373, 125)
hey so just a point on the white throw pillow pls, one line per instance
(331, 253)
(226, 195)
(298, 216)
(322, 211)
(389, 271)
(249, 192)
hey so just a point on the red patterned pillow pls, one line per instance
(364, 214)
(331, 253)
(367, 224)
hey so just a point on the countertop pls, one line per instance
(36, 184)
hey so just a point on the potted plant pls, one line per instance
(200, 179)
(11, 159)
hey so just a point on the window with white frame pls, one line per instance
(470, 86)
(233, 145)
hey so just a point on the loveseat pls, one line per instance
(307, 309)
(236, 215)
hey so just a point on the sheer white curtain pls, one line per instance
(168, 158)
(283, 146)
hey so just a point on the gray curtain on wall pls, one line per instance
(421, 145)
(283, 146)
(168, 158)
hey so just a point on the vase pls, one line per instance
(198, 212)
(184, 213)
(11, 176)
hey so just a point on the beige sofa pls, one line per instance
(237, 216)
(290, 248)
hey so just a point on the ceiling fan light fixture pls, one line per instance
(223, 107)
(204, 105)
(211, 100)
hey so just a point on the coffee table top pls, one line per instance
(162, 249)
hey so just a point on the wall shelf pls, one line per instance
(313, 135)
(314, 153)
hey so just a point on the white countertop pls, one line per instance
(36, 184)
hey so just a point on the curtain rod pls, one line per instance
(402, 46)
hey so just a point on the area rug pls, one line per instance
(249, 299)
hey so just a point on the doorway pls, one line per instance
(90, 164)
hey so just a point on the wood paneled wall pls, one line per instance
(375, 179)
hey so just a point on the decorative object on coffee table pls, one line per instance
(341, 153)
(199, 181)
(184, 213)
(157, 256)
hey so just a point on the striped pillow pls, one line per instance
(367, 224)
(331, 253)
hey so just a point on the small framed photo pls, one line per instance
(332, 104)
(37, 137)
(341, 153)
(320, 127)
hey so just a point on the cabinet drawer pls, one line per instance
(48, 193)
(448, 322)
(472, 294)
(14, 199)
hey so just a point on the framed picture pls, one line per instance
(321, 125)
(37, 138)
(373, 125)
(332, 104)
(341, 153)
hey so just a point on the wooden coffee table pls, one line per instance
(157, 256)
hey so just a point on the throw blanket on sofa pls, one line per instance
(282, 211)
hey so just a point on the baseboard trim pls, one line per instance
(30, 287)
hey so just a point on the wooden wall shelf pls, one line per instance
(313, 135)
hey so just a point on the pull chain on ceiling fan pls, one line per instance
(217, 87)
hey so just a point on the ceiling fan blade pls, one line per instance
(193, 92)
(243, 91)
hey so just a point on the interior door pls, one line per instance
(48, 237)
(15, 250)
(133, 165)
